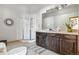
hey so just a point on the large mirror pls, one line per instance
(55, 18)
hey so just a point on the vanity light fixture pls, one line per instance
(59, 7)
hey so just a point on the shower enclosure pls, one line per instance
(29, 29)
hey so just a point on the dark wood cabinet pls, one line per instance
(60, 43)
(53, 43)
(68, 45)
(41, 39)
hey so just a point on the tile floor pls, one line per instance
(33, 49)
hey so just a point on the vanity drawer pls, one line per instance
(53, 34)
(70, 36)
(39, 33)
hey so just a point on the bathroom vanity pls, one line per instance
(60, 42)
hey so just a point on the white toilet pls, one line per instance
(3, 48)
(18, 51)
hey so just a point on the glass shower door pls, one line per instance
(29, 29)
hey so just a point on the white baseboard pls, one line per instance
(29, 41)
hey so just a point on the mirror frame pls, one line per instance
(10, 20)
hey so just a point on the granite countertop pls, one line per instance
(59, 32)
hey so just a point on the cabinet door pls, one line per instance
(37, 39)
(54, 43)
(41, 39)
(67, 47)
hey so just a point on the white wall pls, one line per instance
(20, 14)
(16, 13)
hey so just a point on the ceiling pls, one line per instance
(36, 7)
(30, 8)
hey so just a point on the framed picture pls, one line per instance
(74, 22)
